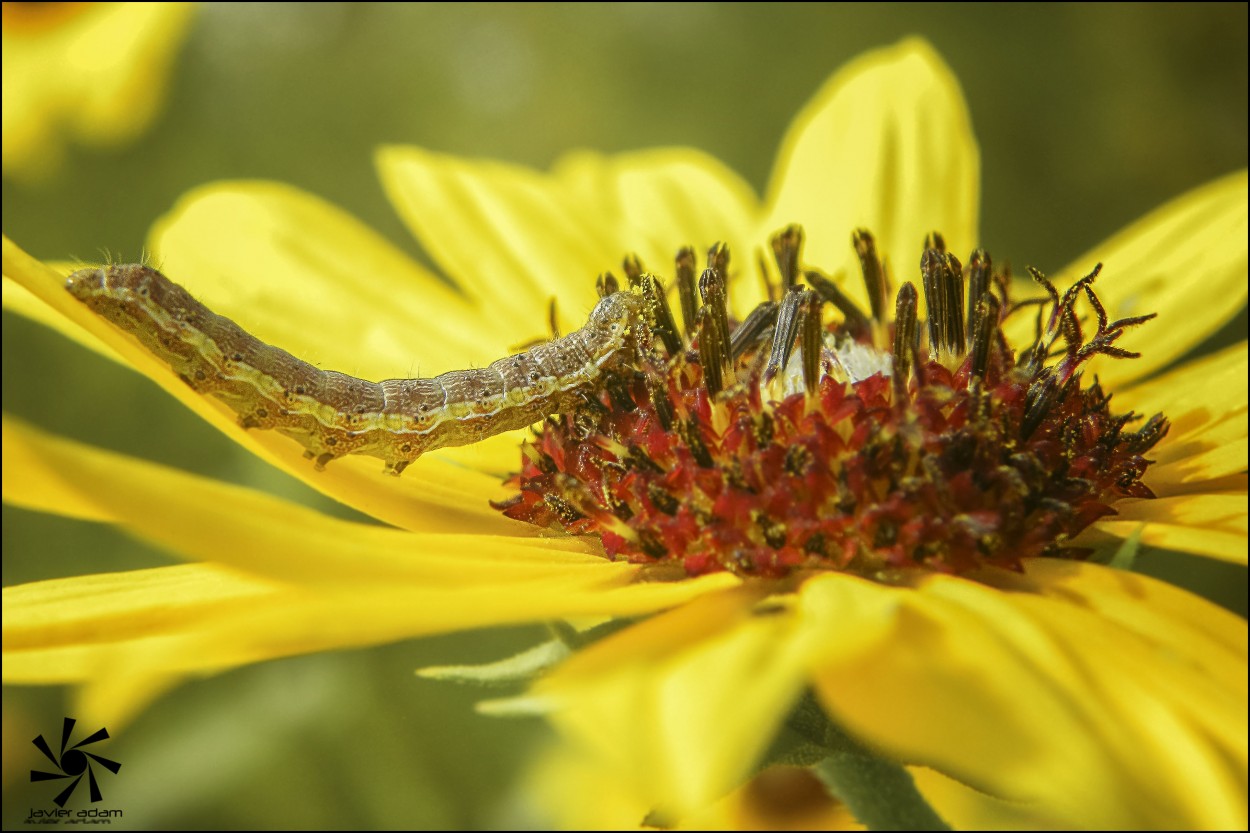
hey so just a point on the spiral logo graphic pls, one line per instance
(73, 762)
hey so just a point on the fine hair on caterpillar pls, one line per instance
(333, 414)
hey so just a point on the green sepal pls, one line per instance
(530, 663)
(521, 667)
(1125, 557)
(880, 792)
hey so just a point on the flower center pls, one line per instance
(781, 442)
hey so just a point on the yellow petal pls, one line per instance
(235, 618)
(38, 283)
(569, 791)
(514, 239)
(1003, 692)
(1205, 524)
(304, 275)
(1174, 734)
(1205, 400)
(20, 300)
(115, 607)
(87, 629)
(969, 671)
(664, 199)
(964, 808)
(683, 705)
(1186, 261)
(1210, 636)
(566, 790)
(213, 521)
(130, 636)
(126, 639)
(885, 145)
(1215, 382)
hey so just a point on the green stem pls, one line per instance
(879, 792)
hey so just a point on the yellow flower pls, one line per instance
(92, 71)
(1089, 696)
(780, 798)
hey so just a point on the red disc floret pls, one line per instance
(970, 462)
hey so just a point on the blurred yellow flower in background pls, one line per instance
(96, 73)
(1091, 696)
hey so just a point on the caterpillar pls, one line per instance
(333, 414)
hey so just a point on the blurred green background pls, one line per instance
(1088, 117)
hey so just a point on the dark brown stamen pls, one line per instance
(905, 334)
(718, 259)
(813, 342)
(1042, 394)
(660, 402)
(686, 290)
(984, 327)
(714, 317)
(752, 332)
(659, 315)
(606, 284)
(713, 351)
(953, 284)
(979, 270)
(633, 268)
(789, 319)
(786, 247)
(873, 272)
(944, 298)
(857, 323)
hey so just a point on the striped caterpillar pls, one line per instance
(332, 414)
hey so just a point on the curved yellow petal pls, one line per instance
(236, 618)
(1005, 692)
(967, 671)
(21, 301)
(299, 273)
(115, 607)
(1215, 382)
(1205, 401)
(1209, 635)
(660, 200)
(125, 638)
(1211, 524)
(312, 620)
(213, 521)
(88, 629)
(567, 791)
(1186, 261)
(1209, 460)
(886, 145)
(1174, 733)
(684, 704)
(965, 808)
(102, 696)
(513, 238)
(570, 792)
(38, 283)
